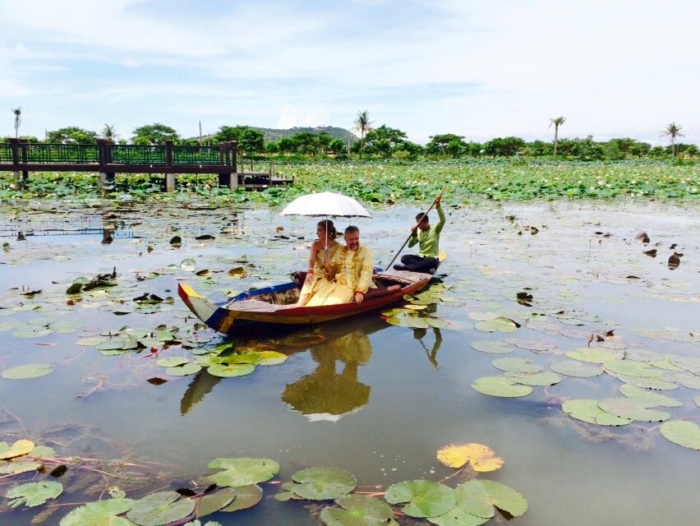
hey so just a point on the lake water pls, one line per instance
(363, 395)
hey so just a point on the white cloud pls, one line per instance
(295, 116)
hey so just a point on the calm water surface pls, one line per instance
(376, 399)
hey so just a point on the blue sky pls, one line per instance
(481, 69)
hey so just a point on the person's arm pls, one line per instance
(364, 281)
(441, 217)
(414, 236)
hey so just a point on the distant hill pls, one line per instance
(335, 132)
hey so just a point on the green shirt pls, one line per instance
(429, 240)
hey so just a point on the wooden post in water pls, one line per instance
(101, 161)
(14, 145)
(169, 176)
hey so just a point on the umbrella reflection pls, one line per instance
(333, 390)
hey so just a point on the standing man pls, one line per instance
(428, 239)
(348, 274)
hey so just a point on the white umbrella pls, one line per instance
(325, 204)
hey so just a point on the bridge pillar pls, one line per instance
(169, 182)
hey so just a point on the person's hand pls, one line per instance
(438, 199)
(413, 230)
(359, 297)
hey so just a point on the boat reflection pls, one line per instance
(333, 389)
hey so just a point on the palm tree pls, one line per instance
(362, 125)
(558, 121)
(18, 120)
(673, 131)
(109, 132)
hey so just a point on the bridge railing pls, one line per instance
(40, 153)
(5, 152)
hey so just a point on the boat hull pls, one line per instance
(253, 315)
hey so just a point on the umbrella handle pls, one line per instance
(409, 235)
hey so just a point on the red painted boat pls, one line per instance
(275, 307)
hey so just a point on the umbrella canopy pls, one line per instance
(325, 204)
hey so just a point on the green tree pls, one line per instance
(446, 144)
(154, 134)
(362, 125)
(287, 145)
(673, 131)
(18, 120)
(109, 132)
(557, 121)
(504, 146)
(384, 140)
(250, 141)
(71, 135)
(337, 147)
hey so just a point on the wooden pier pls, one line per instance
(108, 159)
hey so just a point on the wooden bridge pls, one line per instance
(108, 159)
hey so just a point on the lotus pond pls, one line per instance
(552, 377)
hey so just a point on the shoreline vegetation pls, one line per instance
(394, 182)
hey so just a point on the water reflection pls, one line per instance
(431, 353)
(333, 389)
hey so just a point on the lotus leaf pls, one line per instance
(576, 369)
(666, 364)
(245, 497)
(38, 333)
(172, 361)
(588, 410)
(100, 512)
(18, 449)
(500, 386)
(642, 355)
(357, 510)
(660, 400)
(533, 345)
(415, 322)
(458, 517)
(243, 471)
(160, 508)
(473, 498)
(535, 379)
(112, 344)
(505, 498)
(592, 355)
(213, 502)
(323, 483)
(91, 342)
(425, 498)
(690, 364)
(480, 457)
(493, 347)
(437, 323)
(230, 371)
(688, 380)
(682, 432)
(18, 466)
(244, 357)
(43, 452)
(632, 368)
(24, 372)
(184, 370)
(496, 325)
(483, 316)
(517, 364)
(633, 409)
(656, 384)
(272, 358)
(34, 493)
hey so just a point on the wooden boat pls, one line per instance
(275, 307)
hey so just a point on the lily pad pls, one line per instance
(424, 498)
(592, 355)
(500, 386)
(658, 399)
(240, 472)
(323, 483)
(24, 372)
(517, 364)
(480, 457)
(587, 410)
(184, 370)
(576, 369)
(639, 410)
(173, 361)
(504, 497)
(683, 433)
(100, 512)
(232, 370)
(496, 325)
(246, 497)
(213, 502)
(34, 493)
(160, 508)
(458, 517)
(542, 379)
(493, 347)
(18, 449)
(271, 358)
(539, 346)
(632, 368)
(357, 510)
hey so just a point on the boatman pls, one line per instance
(348, 275)
(428, 239)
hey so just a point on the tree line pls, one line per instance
(382, 142)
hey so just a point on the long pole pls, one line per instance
(409, 235)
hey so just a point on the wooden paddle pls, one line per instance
(417, 222)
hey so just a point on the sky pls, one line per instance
(479, 69)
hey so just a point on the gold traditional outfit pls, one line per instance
(319, 271)
(350, 272)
